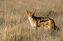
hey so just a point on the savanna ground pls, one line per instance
(14, 25)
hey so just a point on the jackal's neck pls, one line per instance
(32, 21)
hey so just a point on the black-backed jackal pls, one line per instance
(43, 22)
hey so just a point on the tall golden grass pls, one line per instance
(14, 25)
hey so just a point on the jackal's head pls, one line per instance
(29, 13)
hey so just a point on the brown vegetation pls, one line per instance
(14, 25)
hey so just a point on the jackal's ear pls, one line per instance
(27, 11)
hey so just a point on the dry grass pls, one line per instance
(14, 25)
